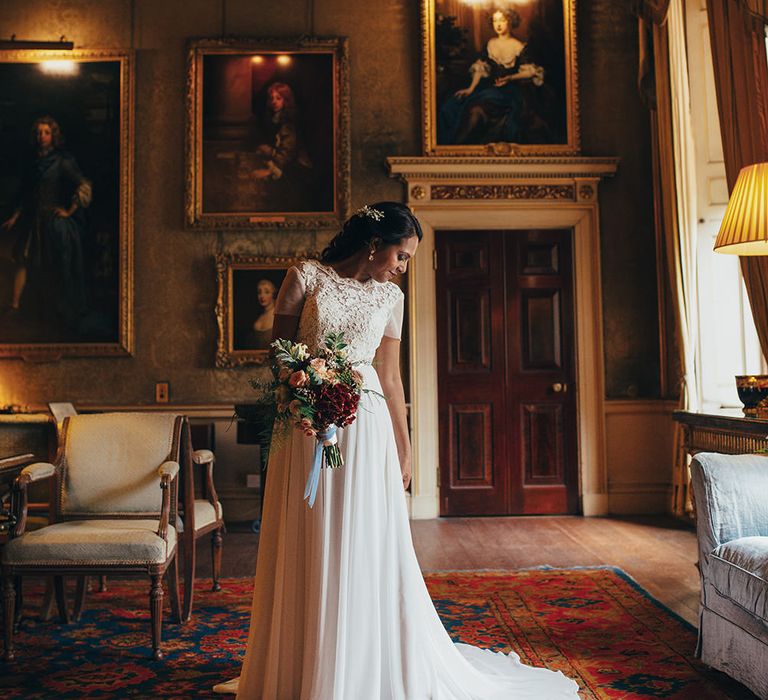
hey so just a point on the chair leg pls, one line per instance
(156, 614)
(9, 603)
(61, 600)
(80, 592)
(216, 555)
(172, 578)
(102, 584)
(19, 603)
(189, 575)
(46, 608)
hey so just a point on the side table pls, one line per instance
(725, 430)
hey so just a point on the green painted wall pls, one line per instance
(175, 330)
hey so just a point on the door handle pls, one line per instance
(559, 388)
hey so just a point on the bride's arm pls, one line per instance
(285, 327)
(288, 305)
(387, 365)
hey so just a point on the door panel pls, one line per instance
(540, 311)
(542, 444)
(471, 455)
(471, 360)
(506, 372)
(471, 337)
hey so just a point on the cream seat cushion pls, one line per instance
(92, 542)
(740, 573)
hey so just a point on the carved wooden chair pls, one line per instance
(116, 493)
(202, 514)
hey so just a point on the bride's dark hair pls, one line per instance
(387, 222)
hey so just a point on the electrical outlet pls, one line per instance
(162, 392)
(253, 481)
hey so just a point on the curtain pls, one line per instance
(664, 52)
(737, 35)
(685, 242)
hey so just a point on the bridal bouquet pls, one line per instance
(317, 393)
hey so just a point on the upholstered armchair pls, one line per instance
(731, 496)
(116, 493)
(202, 514)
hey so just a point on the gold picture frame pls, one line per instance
(524, 100)
(66, 269)
(267, 134)
(245, 283)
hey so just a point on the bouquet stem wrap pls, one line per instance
(327, 454)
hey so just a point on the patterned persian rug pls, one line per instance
(594, 624)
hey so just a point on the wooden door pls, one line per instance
(507, 408)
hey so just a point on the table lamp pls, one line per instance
(744, 231)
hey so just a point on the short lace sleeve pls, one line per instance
(290, 298)
(394, 327)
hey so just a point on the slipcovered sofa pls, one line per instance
(731, 496)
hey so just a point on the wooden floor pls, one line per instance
(659, 553)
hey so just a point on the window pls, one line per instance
(727, 339)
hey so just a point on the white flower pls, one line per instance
(370, 212)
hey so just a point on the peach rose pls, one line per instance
(318, 364)
(294, 407)
(298, 379)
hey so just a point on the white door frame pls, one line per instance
(465, 194)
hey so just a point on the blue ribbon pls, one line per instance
(310, 491)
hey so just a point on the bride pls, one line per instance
(340, 609)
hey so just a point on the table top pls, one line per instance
(727, 418)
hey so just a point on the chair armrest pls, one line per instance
(202, 457)
(729, 491)
(168, 471)
(19, 503)
(207, 459)
(36, 472)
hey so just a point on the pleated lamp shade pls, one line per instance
(744, 230)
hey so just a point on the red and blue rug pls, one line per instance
(595, 625)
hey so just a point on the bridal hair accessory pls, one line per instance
(315, 392)
(370, 212)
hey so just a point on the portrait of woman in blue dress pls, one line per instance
(510, 89)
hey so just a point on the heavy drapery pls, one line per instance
(663, 50)
(737, 35)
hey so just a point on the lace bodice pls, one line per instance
(329, 303)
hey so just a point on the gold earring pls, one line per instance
(370, 257)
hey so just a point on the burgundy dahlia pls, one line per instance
(335, 404)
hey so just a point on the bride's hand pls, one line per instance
(405, 471)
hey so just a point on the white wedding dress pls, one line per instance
(340, 609)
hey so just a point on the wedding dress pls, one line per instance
(340, 608)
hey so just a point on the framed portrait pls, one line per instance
(245, 306)
(267, 133)
(66, 212)
(499, 77)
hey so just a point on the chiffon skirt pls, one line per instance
(340, 608)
